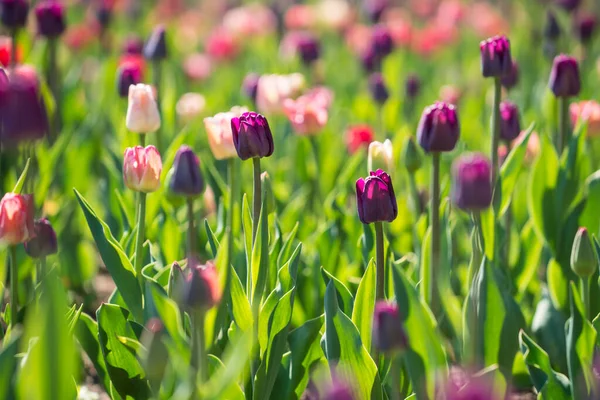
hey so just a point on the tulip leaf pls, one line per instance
(260, 257)
(364, 306)
(212, 239)
(169, 314)
(305, 351)
(240, 306)
(115, 259)
(344, 297)
(590, 216)
(346, 352)
(233, 391)
(21, 181)
(511, 168)
(86, 332)
(8, 363)
(488, 228)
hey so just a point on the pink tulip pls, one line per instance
(16, 219)
(220, 136)
(142, 168)
(586, 111)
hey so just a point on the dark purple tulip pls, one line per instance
(13, 13)
(156, 47)
(475, 389)
(133, 45)
(129, 73)
(250, 86)
(22, 106)
(50, 17)
(564, 77)
(381, 41)
(252, 136)
(510, 126)
(375, 9)
(472, 182)
(438, 129)
(378, 89)
(104, 14)
(44, 243)
(339, 391)
(412, 86)
(511, 79)
(185, 176)
(308, 48)
(388, 332)
(369, 60)
(584, 27)
(375, 198)
(551, 29)
(569, 5)
(202, 287)
(495, 57)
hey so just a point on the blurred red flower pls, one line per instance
(5, 51)
(221, 45)
(359, 136)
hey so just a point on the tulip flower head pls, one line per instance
(381, 41)
(16, 219)
(552, 28)
(202, 290)
(511, 79)
(495, 57)
(128, 74)
(359, 136)
(587, 111)
(13, 13)
(252, 136)
(6, 52)
(564, 77)
(439, 128)
(190, 106)
(307, 114)
(584, 27)
(50, 18)
(510, 126)
(378, 89)
(133, 45)
(411, 156)
(375, 198)
(142, 168)
(272, 90)
(308, 48)
(381, 155)
(412, 86)
(584, 261)
(568, 5)
(142, 112)
(156, 46)
(471, 183)
(375, 8)
(185, 178)
(220, 134)
(44, 243)
(388, 332)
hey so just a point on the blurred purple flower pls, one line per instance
(412, 86)
(584, 26)
(564, 77)
(44, 243)
(495, 57)
(511, 79)
(378, 89)
(129, 73)
(471, 182)
(388, 332)
(510, 126)
(13, 13)
(185, 178)
(156, 46)
(439, 128)
(50, 18)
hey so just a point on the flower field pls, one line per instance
(320, 199)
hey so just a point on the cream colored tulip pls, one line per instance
(381, 156)
(220, 136)
(142, 111)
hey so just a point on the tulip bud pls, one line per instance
(176, 282)
(564, 77)
(510, 127)
(511, 79)
(381, 156)
(142, 168)
(142, 111)
(44, 242)
(16, 219)
(128, 74)
(568, 5)
(438, 129)
(552, 29)
(50, 18)
(411, 156)
(13, 13)
(379, 91)
(375, 198)
(186, 179)
(250, 86)
(202, 287)
(412, 86)
(133, 46)
(388, 332)
(495, 57)
(583, 256)
(156, 46)
(252, 136)
(267, 192)
(584, 27)
(308, 48)
(220, 135)
(381, 42)
(472, 182)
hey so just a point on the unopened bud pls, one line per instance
(583, 256)
(411, 155)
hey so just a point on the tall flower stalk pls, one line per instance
(564, 83)
(156, 52)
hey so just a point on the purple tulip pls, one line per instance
(381, 41)
(475, 389)
(510, 126)
(412, 86)
(104, 14)
(569, 5)
(252, 136)
(551, 29)
(133, 45)
(250, 86)
(156, 46)
(185, 178)
(308, 48)
(584, 27)
(50, 17)
(564, 77)
(375, 8)
(495, 57)
(44, 243)
(511, 79)
(369, 60)
(438, 129)
(388, 332)
(378, 89)
(128, 74)
(13, 13)
(375, 198)
(471, 182)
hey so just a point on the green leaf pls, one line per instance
(511, 169)
(424, 357)
(212, 239)
(240, 306)
(19, 185)
(544, 378)
(346, 351)
(8, 363)
(86, 332)
(125, 371)
(344, 297)
(301, 340)
(169, 314)
(364, 306)
(488, 227)
(247, 227)
(260, 257)
(233, 391)
(115, 259)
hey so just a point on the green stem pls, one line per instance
(563, 116)
(256, 197)
(585, 295)
(191, 234)
(315, 148)
(495, 129)
(414, 194)
(507, 230)
(14, 286)
(380, 287)
(139, 242)
(231, 178)
(435, 225)
(380, 124)
(42, 270)
(53, 83)
(157, 80)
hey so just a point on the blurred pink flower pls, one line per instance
(272, 90)
(289, 44)
(250, 20)
(399, 25)
(6, 50)
(334, 14)
(358, 38)
(300, 16)
(79, 36)
(450, 13)
(586, 111)
(190, 106)
(197, 67)
(221, 45)
(485, 20)
(450, 94)
(423, 8)
(434, 37)
(359, 136)
(308, 113)
(220, 135)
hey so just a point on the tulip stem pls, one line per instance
(564, 124)
(380, 287)
(231, 178)
(495, 129)
(139, 242)
(435, 226)
(52, 81)
(14, 286)
(199, 360)
(256, 197)
(380, 122)
(190, 233)
(415, 194)
(585, 295)
(507, 229)
(41, 270)
(315, 149)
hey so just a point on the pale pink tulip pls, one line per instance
(16, 219)
(220, 137)
(142, 168)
